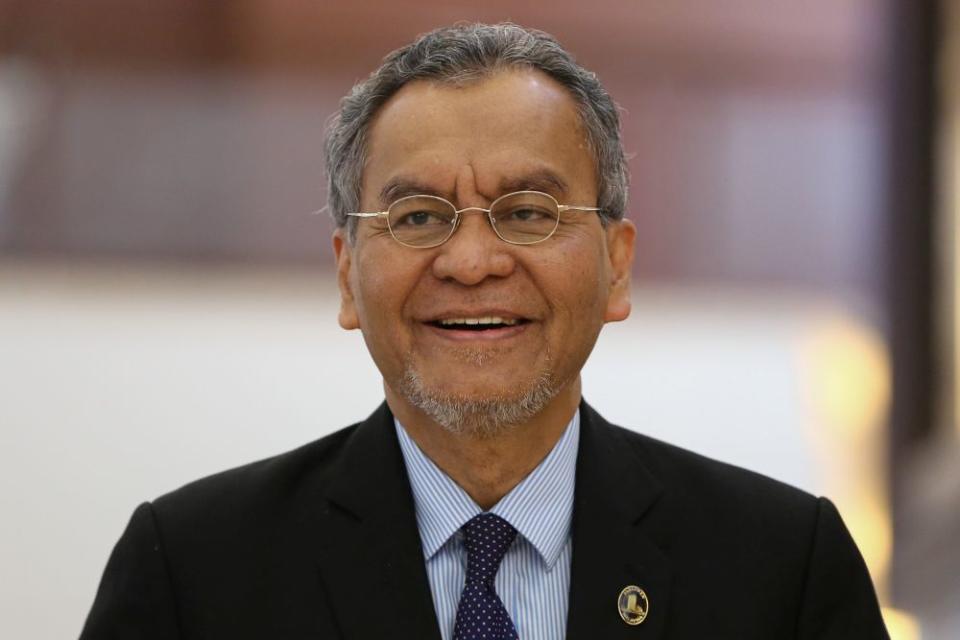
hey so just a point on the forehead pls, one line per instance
(497, 130)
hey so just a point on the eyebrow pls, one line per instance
(538, 180)
(400, 187)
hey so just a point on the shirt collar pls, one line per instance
(540, 508)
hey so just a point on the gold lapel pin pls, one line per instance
(633, 605)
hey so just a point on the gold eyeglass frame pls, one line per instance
(456, 216)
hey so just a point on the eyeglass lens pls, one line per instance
(521, 218)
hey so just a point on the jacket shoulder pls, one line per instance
(787, 551)
(692, 475)
(265, 487)
(736, 506)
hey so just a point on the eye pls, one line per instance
(421, 218)
(527, 213)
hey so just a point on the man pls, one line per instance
(478, 186)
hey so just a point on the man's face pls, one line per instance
(514, 130)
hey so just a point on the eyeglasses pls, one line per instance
(522, 217)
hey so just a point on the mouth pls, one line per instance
(479, 327)
(481, 323)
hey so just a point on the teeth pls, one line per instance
(446, 322)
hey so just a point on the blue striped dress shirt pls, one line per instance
(534, 578)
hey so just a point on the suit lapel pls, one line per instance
(612, 545)
(371, 560)
(370, 556)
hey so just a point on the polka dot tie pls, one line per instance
(481, 614)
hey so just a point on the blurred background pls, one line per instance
(168, 304)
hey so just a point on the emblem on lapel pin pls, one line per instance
(633, 605)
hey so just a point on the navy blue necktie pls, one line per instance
(481, 614)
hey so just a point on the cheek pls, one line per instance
(384, 285)
(578, 285)
(367, 286)
(374, 304)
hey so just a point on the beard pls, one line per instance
(479, 417)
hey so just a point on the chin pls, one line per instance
(474, 414)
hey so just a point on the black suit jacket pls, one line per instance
(322, 542)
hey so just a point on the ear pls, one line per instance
(620, 238)
(344, 255)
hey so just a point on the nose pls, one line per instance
(474, 252)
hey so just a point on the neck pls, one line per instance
(487, 468)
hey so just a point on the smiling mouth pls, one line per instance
(484, 323)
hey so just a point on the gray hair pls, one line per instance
(460, 54)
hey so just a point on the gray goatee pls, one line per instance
(485, 418)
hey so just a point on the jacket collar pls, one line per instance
(371, 558)
(371, 561)
(614, 545)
